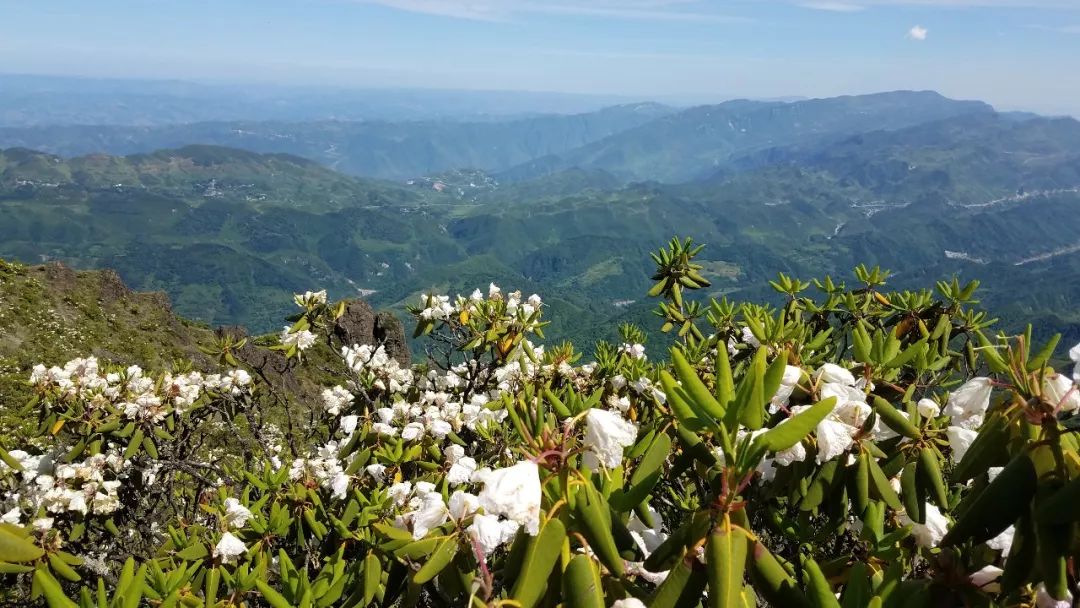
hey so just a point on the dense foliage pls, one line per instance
(861, 447)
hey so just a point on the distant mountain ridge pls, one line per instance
(231, 233)
(693, 143)
(634, 142)
(390, 150)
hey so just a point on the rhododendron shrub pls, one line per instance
(850, 446)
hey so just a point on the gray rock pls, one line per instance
(360, 324)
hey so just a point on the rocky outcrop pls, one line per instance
(360, 324)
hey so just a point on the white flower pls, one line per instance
(14, 516)
(302, 339)
(749, 337)
(334, 399)
(400, 491)
(607, 434)
(310, 298)
(43, 524)
(348, 424)
(339, 484)
(970, 401)
(928, 534)
(1045, 600)
(638, 569)
(513, 492)
(430, 513)
(229, 548)
(493, 290)
(928, 408)
(376, 471)
(634, 351)
(833, 438)
(1060, 391)
(489, 532)
(1074, 354)
(629, 602)
(788, 383)
(462, 504)
(647, 538)
(960, 439)
(236, 514)
(461, 471)
(412, 431)
(986, 578)
(1003, 542)
(832, 373)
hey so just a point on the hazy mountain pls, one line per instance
(632, 142)
(229, 233)
(27, 100)
(698, 141)
(397, 150)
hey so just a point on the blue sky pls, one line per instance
(1013, 53)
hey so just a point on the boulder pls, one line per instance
(360, 324)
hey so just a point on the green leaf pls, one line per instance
(50, 588)
(793, 430)
(725, 383)
(272, 597)
(694, 387)
(645, 476)
(725, 561)
(16, 549)
(857, 590)
(774, 376)
(998, 506)
(541, 553)
(988, 449)
(1061, 507)
(594, 514)
(193, 552)
(930, 473)
(1022, 557)
(881, 486)
(907, 355)
(442, 556)
(911, 494)
(682, 581)
(687, 415)
(372, 577)
(693, 530)
(65, 571)
(817, 586)
(772, 581)
(581, 584)
(894, 419)
(749, 405)
(860, 490)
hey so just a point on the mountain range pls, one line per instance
(567, 206)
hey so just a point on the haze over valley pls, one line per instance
(230, 216)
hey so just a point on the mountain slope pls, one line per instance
(696, 142)
(976, 194)
(394, 150)
(228, 233)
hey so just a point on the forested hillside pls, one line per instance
(823, 186)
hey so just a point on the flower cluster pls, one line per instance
(87, 487)
(140, 397)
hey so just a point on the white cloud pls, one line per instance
(835, 7)
(503, 10)
(917, 32)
